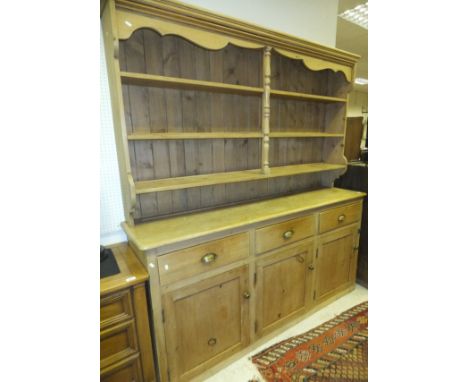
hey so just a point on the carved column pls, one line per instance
(266, 109)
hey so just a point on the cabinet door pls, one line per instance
(284, 285)
(336, 263)
(206, 322)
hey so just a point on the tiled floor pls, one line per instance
(243, 370)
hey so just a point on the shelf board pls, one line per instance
(304, 96)
(304, 134)
(192, 135)
(178, 183)
(182, 83)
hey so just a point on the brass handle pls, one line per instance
(341, 218)
(212, 341)
(311, 267)
(209, 258)
(246, 295)
(288, 234)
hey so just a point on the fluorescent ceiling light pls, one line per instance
(361, 81)
(357, 15)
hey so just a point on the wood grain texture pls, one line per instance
(128, 23)
(126, 345)
(144, 333)
(336, 261)
(338, 217)
(131, 273)
(184, 114)
(285, 285)
(192, 181)
(304, 96)
(118, 343)
(108, 19)
(216, 310)
(179, 83)
(115, 308)
(188, 262)
(191, 136)
(266, 110)
(194, 135)
(354, 128)
(124, 371)
(188, 227)
(278, 235)
(163, 94)
(197, 18)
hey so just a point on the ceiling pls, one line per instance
(353, 38)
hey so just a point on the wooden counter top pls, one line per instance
(151, 235)
(132, 272)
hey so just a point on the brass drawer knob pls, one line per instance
(288, 234)
(212, 341)
(311, 267)
(209, 258)
(341, 218)
(246, 295)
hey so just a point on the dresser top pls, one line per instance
(131, 273)
(155, 234)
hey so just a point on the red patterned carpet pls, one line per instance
(335, 351)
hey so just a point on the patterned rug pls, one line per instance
(335, 351)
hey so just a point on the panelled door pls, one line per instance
(284, 285)
(206, 322)
(336, 261)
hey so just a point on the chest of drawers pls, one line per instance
(126, 346)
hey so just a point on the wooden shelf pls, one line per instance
(182, 83)
(193, 135)
(305, 97)
(304, 134)
(184, 182)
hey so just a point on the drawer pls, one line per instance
(339, 216)
(198, 259)
(115, 308)
(117, 343)
(125, 371)
(276, 235)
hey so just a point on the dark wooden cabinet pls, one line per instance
(355, 179)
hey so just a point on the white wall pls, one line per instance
(312, 20)
(357, 101)
(111, 198)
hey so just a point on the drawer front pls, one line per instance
(198, 259)
(115, 308)
(117, 343)
(339, 217)
(127, 370)
(280, 234)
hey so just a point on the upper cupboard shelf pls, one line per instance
(170, 184)
(228, 135)
(182, 83)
